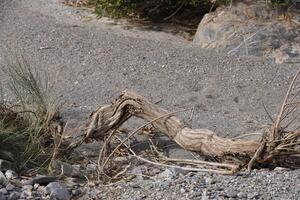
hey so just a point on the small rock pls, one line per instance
(241, 195)
(10, 187)
(27, 188)
(25, 194)
(209, 181)
(41, 189)
(76, 192)
(91, 167)
(3, 191)
(280, 169)
(2, 196)
(14, 196)
(63, 168)
(182, 190)
(35, 194)
(57, 191)
(10, 174)
(252, 195)
(36, 186)
(231, 194)
(5, 165)
(42, 180)
(167, 174)
(3, 180)
(178, 171)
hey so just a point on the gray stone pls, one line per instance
(3, 190)
(14, 196)
(253, 195)
(280, 169)
(25, 194)
(10, 187)
(27, 187)
(3, 180)
(182, 190)
(5, 165)
(36, 186)
(2, 196)
(241, 195)
(57, 191)
(10, 174)
(231, 194)
(66, 169)
(209, 181)
(42, 180)
(250, 28)
(91, 167)
(178, 171)
(167, 174)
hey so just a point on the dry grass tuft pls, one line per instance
(30, 127)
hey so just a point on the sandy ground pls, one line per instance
(93, 60)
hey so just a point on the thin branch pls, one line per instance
(138, 129)
(277, 122)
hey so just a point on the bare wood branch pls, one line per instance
(202, 141)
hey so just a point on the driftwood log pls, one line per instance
(202, 141)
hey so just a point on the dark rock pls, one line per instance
(42, 180)
(3, 180)
(57, 191)
(76, 192)
(6, 165)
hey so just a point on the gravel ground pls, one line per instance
(93, 60)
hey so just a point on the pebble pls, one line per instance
(91, 167)
(14, 196)
(3, 190)
(27, 187)
(167, 174)
(57, 191)
(231, 194)
(10, 174)
(252, 195)
(10, 187)
(76, 192)
(2, 196)
(3, 180)
(209, 180)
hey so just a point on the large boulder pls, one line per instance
(252, 28)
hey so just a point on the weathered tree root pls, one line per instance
(203, 141)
